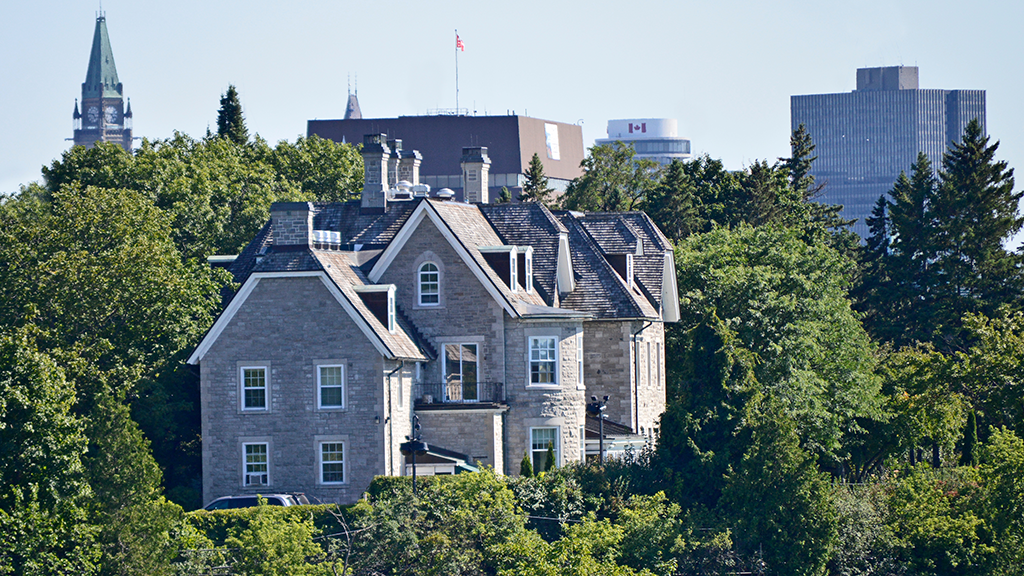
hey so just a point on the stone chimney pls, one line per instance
(375, 173)
(409, 166)
(393, 159)
(475, 168)
(293, 223)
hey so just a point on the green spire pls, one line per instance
(101, 79)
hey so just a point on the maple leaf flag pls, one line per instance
(459, 44)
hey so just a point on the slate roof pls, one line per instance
(599, 288)
(611, 231)
(530, 224)
(599, 292)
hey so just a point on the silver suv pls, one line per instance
(226, 502)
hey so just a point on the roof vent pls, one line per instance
(445, 194)
(421, 190)
(326, 240)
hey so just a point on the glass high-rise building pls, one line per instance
(865, 138)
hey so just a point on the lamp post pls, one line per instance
(596, 409)
(414, 446)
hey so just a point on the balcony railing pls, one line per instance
(459, 393)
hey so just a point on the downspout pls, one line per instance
(390, 422)
(636, 371)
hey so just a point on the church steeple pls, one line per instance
(103, 115)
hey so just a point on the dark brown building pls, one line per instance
(510, 143)
(103, 117)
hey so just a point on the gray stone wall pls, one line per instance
(562, 406)
(475, 433)
(624, 370)
(290, 325)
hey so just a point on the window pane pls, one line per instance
(542, 361)
(540, 440)
(255, 464)
(332, 386)
(331, 396)
(469, 372)
(254, 387)
(332, 461)
(330, 375)
(429, 284)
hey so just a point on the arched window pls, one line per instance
(429, 284)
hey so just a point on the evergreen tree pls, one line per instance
(550, 462)
(526, 466)
(230, 121)
(799, 164)
(670, 204)
(505, 196)
(975, 211)
(536, 187)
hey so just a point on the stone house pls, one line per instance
(490, 325)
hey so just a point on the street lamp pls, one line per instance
(596, 409)
(414, 446)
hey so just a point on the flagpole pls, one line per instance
(456, 71)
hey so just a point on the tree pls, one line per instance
(975, 211)
(670, 204)
(526, 466)
(799, 164)
(536, 189)
(613, 180)
(230, 121)
(784, 302)
(43, 489)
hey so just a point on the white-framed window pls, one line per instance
(629, 270)
(255, 464)
(254, 387)
(332, 462)
(543, 361)
(330, 384)
(583, 444)
(460, 365)
(541, 440)
(429, 277)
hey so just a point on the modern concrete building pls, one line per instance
(653, 138)
(511, 142)
(490, 325)
(103, 117)
(865, 138)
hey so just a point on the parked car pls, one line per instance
(226, 502)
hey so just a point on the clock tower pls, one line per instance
(103, 116)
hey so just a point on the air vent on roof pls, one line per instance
(419, 190)
(326, 240)
(445, 194)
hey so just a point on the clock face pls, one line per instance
(94, 114)
(110, 113)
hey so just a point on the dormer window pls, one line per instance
(629, 270)
(623, 264)
(525, 264)
(380, 300)
(504, 261)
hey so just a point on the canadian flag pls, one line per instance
(459, 44)
(642, 127)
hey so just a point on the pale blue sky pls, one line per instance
(724, 69)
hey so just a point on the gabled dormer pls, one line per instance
(380, 300)
(525, 265)
(504, 260)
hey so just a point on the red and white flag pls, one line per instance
(459, 44)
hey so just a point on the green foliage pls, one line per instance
(1003, 470)
(504, 197)
(991, 371)
(551, 500)
(969, 452)
(778, 501)
(671, 204)
(324, 170)
(271, 546)
(536, 188)
(43, 492)
(230, 121)
(526, 465)
(946, 258)
(782, 302)
(613, 180)
(935, 522)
